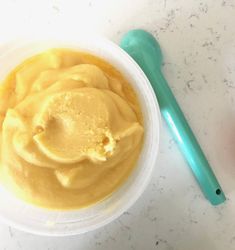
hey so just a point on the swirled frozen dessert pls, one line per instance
(70, 129)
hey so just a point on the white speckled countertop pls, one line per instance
(198, 40)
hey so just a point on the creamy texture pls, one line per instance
(70, 129)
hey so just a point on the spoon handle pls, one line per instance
(147, 58)
(187, 141)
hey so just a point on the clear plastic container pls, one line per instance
(36, 220)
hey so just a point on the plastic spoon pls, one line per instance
(145, 50)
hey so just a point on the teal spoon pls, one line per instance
(145, 50)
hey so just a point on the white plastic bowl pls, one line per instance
(35, 220)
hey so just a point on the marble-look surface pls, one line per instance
(198, 40)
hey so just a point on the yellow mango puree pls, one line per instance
(70, 129)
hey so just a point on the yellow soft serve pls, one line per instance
(70, 129)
